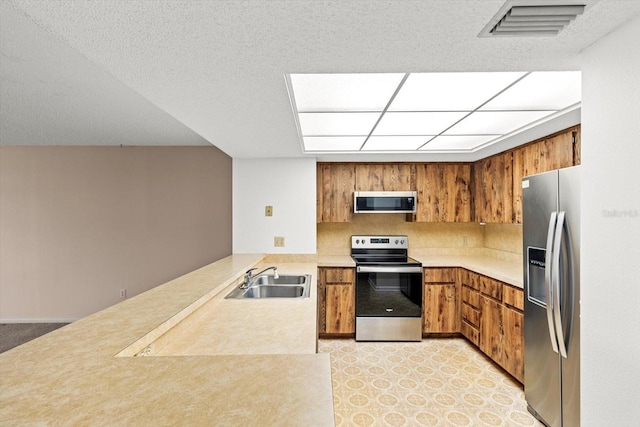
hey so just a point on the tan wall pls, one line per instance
(335, 238)
(77, 224)
(503, 237)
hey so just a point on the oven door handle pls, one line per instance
(384, 269)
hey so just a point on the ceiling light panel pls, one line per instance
(333, 143)
(541, 90)
(450, 91)
(337, 124)
(457, 142)
(395, 143)
(343, 92)
(413, 123)
(495, 122)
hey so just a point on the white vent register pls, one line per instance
(532, 18)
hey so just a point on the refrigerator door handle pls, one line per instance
(548, 280)
(557, 246)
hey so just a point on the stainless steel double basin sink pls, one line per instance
(269, 286)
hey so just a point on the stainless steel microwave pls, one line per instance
(384, 202)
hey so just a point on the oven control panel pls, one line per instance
(380, 242)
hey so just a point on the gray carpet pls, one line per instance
(14, 334)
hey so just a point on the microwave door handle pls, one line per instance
(548, 267)
(557, 314)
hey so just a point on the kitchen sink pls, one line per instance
(269, 286)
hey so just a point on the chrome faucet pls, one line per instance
(248, 275)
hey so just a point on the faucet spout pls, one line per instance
(248, 275)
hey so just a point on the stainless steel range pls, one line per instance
(388, 289)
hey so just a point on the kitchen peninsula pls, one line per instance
(74, 377)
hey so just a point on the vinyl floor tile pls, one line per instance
(436, 382)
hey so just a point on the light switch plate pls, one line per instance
(268, 211)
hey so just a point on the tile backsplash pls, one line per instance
(334, 238)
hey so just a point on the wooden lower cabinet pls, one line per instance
(336, 300)
(491, 329)
(513, 342)
(439, 309)
(440, 302)
(492, 318)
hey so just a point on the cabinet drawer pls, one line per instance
(471, 333)
(439, 275)
(491, 288)
(338, 275)
(470, 296)
(513, 297)
(471, 315)
(470, 279)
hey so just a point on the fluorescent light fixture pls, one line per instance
(412, 123)
(343, 92)
(337, 124)
(395, 143)
(457, 142)
(542, 90)
(495, 122)
(450, 91)
(424, 112)
(333, 143)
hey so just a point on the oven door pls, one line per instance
(389, 291)
(388, 303)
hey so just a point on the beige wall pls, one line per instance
(77, 224)
(334, 238)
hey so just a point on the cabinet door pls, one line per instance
(385, 177)
(336, 300)
(440, 312)
(491, 328)
(335, 187)
(340, 309)
(444, 192)
(493, 189)
(513, 350)
(553, 152)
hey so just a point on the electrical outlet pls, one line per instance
(278, 241)
(268, 211)
(464, 240)
(123, 293)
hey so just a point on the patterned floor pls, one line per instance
(436, 382)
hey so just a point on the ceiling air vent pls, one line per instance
(537, 19)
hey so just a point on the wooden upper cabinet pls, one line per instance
(557, 151)
(385, 177)
(493, 182)
(444, 193)
(336, 183)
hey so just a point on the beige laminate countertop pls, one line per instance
(500, 269)
(73, 377)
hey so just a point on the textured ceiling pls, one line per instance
(181, 69)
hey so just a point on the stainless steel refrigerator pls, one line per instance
(551, 253)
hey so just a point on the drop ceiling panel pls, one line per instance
(457, 142)
(337, 124)
(413, 123)
(343, 92)
(550, 90)
(495, 122)
(395, 143)
(333, 143)
(450, 91)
